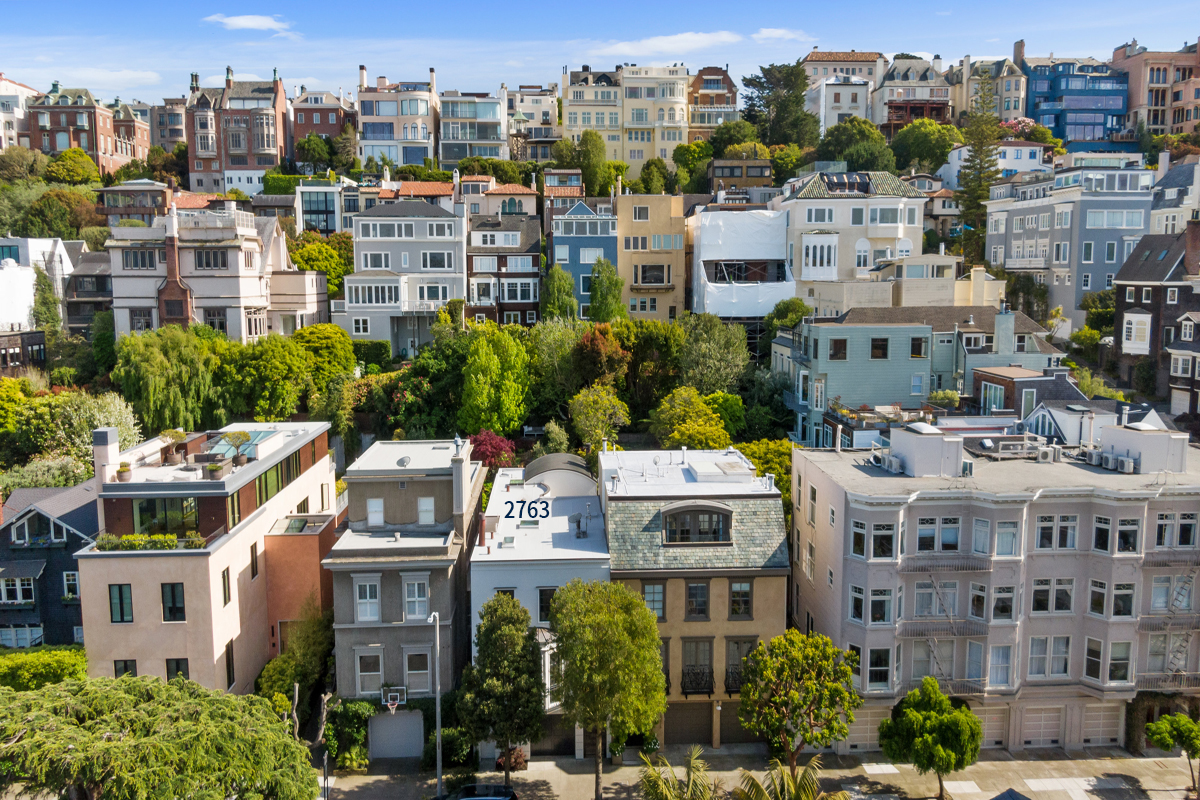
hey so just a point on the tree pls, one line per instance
(32, 668)
(979, 171)
(599, 358)
(609, 660)
(934, 735)
(786, 314)
(60, 213)
(319, 257)
(658, 780)
(1086, 339)
(945, 398)
(45, 315)
(688, 155)
(713, 355)
(746, 151)
(653, 346)
(493, 449)
(63, 424)
(1094, 385)
(21, 163)
(841, 137)
(503, 697)
(730, 409)
(729, 133)
(924, 141)
(706, 433)
(495, 383)
(345, 147)
(773, 457)
(46, 471)
(596, 413)
(554, 379)
(140, 737)
(775, 105)
(73, 166)
(799, 691)
(683, 414)
(590, 158)
(785, 160)
(784, 785)
(1101, 308)
(869, 157)
(330, 351)
(1177, 730)
(268, 378)
(104, 341)
(169, 377)
(606, 300)
(1042, 135)
(558, 295)
(314, 150)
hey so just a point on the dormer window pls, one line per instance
(697, 523)
(1185, 330)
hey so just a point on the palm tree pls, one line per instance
(659, 782)
(781, 784)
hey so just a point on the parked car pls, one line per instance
(481, 791)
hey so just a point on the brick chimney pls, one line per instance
(174, 296)
(195, 85)
(1018, 51)
(1191, 242)
(229, 77)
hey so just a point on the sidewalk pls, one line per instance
(1108, 773)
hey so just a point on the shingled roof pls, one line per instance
(879, 184)
(1157, 257)
(940, 318)
(836, 55)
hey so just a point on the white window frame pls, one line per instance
(377, 652)
(416, 596)
(426, 510)
(362, 326)
(368, 603)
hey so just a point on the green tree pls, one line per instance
(590, 158)
(926, 142)
(685, 419)
(554, 379)
(330, 350)
(785, 160)
(869, 157)
(786, 315)
(319, 257)
(596, 413)
(104, 341)
(558, 295)
(141, 737)
(730, 409)
(1042, 135)
(268, 377)
(979, 171)
(44, 471)
(599, 357)
(503, 696)
(314, 150)
(841, 137)
(1094, 385)
(773, 457)
(935, 736)
(610, 667)
(775, 105)
(73, 166)
(781, 784)
(945, 398)
(1177, 730)
(32, 668)
(658, 780)
(345, 147)
(45, 314)
(688, 155)
(713, 355)
(1087, 340)
(21, 163)
(169, 377)
(729, 133)
(63, 424)
(705, 433)
(607, 303)
(746, 151)
(495, 383)
(336, 406)
(798, 691)
(1101, 308)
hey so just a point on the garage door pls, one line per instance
(1042, 727)
(864, 731)
(995, 725)
(732, 731)
(1102, 723)
(558, 739)
(399, 735)
(1179, 401)
(689, 723)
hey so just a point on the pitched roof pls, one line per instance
(850, 184)
(511, 188)
(75, 249)
(197, 199)
(21, 499)
(406, 208)
(940, 318)
(943, 192)
(1155, 258)
(912, 72)
(563, 191)
(93, 264)
(418, 189)
(51, 98)
(1177, 177)
(837, 55)
(483, 178)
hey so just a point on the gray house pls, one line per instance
(1071, 229)
(410, 258)
(411, 512)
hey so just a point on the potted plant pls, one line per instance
(217, 471)
(176, 437)
(237, 440)
(124, 473)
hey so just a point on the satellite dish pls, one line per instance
(403, 462)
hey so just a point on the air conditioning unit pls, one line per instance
(1108, 461)
(1094, 457)
(968, 469)
(1045, 455)
(1058, 451)
(895, 465)
(1020, 427)
(1125, 465)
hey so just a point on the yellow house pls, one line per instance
(650, 254)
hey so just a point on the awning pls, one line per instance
(22, 569)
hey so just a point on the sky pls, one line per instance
(147, 51)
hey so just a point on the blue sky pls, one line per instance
(147, 50)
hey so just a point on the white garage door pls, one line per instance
(1102, 723)
(864, 733)
(1179, 401)
(995, 725)
(401, 735)
(1043, 727)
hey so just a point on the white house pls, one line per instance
(839, 98)
(1013, 156)
(14, 119)
(56, 257)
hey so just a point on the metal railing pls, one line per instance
(1172, 558)
(696, 680)
(793, 402)
(1168, 681)
(945, 562)
(1168, 622)
(733, 678)
(953, 686)
(341, 503)
(933, 627)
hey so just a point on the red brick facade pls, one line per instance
(66, 118)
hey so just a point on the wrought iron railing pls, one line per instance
(1172, 558)
(925, 627)
(1169, 681)
(953, 686)
(945, 562)
(733, 679)
(696, 680)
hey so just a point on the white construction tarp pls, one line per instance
(742, 236)
(741, 299)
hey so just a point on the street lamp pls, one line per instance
(435, 621)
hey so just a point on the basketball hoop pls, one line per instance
(392, 708)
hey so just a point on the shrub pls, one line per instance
(493, 450)
(377, 352)
(516, 760)
(456, 748)
(63, 376)
(946, 398)
(1145, 376)
(281, 184)
(278, 677)
(31, 669)
(44, 472)
(346, 727)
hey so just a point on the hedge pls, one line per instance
(31, 669)
(281, 184)
(375, 351)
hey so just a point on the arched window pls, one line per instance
(904, 248)
(520, 207)
(661, 114)
(691, 522)
(670, 115)
(424, 131)
(862, 253)
(404, 132)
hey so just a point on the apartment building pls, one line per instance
(702, 539)
(739, 173)
(400, 569)
(325, 205)
(410, 259)
(143, 199)
(561, 189)
(1070, 229)
(941, 211)
(322, 113)
(167, 123)
(64, 118)
(838, 98)
(533, 123)
(14, 112)
(481, 194)
(1012, 156)
(1008, 84)
(237, 132)
(593, 101)
(473, 124)
(226, 269)
(504, 269)
(398, 121)
(652, 261)
(578, 238)
(1164, 86)
(655, 113)
(712, 100)
(1176, 193)
(908, 90)
(822, 65)
(530, 559)
(1038, 586)
(88, 292)
(179, 579)
(1082, 101)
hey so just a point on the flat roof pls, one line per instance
(424, 457)
(552, 538)
(365, 547)
(1010, 372)
(690, 473)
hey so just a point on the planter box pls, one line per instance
(217, 474)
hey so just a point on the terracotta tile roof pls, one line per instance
(942, 193)
(483, 178)
(511, 188)
(194, 199)
(418, 189)
(833, 55)
(564, 191)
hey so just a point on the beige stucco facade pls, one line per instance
(651, 232)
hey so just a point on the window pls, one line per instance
(918, 347)
(1186, 329)
(71, 585)
(999, 673)
(1172, 296)
(879, 668)
(881, 606)
(177, 668)
(856, 603)
(123, 667)
(697, 526)
(739, 600)
(980, 534)
(974, 661)
(120, 602)
(1127, 535)
(1095, 650)
(1160, 593)
(883, 541)
(1118, 661)
(1002, 603)
(230, 673)
(977, 607)
(416, 600)
(1064, 591)
(1110, 255)
(370, 673)
(879, 349)
(837, 349)
(1060, 536)
(936, 660)
(1006, 538)
(226, 590)
(435, 260)
(885, 216)
(949, 529)
(1147, 294)
(1122, 600)
(858, 538)
(1165, 531)
(697, 601)
(1101, 531)
(810, 563)
(172, 603)
(367, 593)
(653, 593)
(641, 213)
(942, 601)
(425, 514)
(545, 599)
(1187, 529)
(254, 546)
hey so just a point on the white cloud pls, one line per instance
(254, 22)
(219, 80)
(781, 34)
(668, 45)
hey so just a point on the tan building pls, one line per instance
(821, 65)
(192, 595)
(398, 121)
(651, 257)
(1164, 87)
(738, 173)
(592, 101)
(702, 539)
(712, 100)
(1008, 82)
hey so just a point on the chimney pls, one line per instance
(941, 248)
(937, 63)
(432, 81)
(229, 77)
(1191, 243)
(362, 77)
(381, 82)
(106, 453)
(1164, 164)
(460, 464)
(173, 288)
(195, 81)
(295, 91)
(1124, 415)
(683, 456)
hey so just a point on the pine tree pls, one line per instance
(979, 171)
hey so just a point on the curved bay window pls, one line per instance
(697, 523)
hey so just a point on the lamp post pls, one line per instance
(435, 621)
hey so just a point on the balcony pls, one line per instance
(1168, 622)
(1172, 558)
(713, 115)
(616, 101)
(953, 687)
(1168, 681)
(421, 306)
(793, 402)
(1025, 263)
(696, 680)
(733, 679)
(932, 627)
(945, 562)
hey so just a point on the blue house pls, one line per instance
(577, 239)
(1081, 100)
(39, 579)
